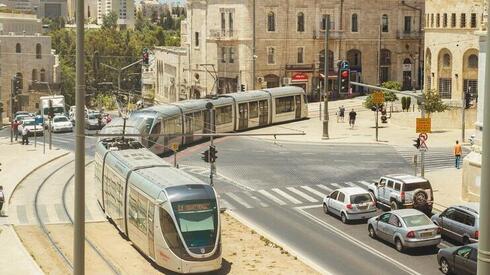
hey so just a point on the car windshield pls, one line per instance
(416, 185)
(92, 116)
(56, 110)
(417, 220)
(60, 119)
(29, 122)
(360, 198)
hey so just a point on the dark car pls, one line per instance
(460, 223)
(459, 260)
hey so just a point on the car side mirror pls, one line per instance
(328, 196)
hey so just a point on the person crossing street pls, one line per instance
(352, 118)
(458, 151)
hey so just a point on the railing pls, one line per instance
(223, 34)
(409, 35)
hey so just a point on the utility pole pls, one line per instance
(325, 81)
(483, 267)
(12, 88)
(463, 114)
(253, 45)
(377, 125)
(210, 107)
(422, 153)
(79, 221)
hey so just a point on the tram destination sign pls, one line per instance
(193, 207)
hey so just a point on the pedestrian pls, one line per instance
(458, 151)
(25, 135)
(352, 118)
(2, 199)
(342, 113)
(15, 127)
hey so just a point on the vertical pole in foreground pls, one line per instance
(253, 46)
(463, 115)
(484, 240)
(422, 152)
(325, 81)
(79, 232)
(377, 114)
(12, 83)
(211, 164)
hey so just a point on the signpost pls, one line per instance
(175, 148)
(378, 100)
(423, 137)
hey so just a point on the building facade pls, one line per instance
(451, 51)
(381, 39)
(171, 74)
(19, 23)
(91, 9)
(124, 9)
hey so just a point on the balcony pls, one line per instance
(413, 35)
(223, 34)
(332, 34)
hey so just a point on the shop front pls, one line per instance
(301, 76)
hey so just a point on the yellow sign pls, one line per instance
(378, 98)
(424, 125)
(174, 146)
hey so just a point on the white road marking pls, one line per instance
(363, 182)
(356, 241)
(226, 204)
(287, 196)
(351, 184)
(239, 200)
(303, 195)
(318, 193)
(336, 185)
(272, 197)
(262, 204)
(324, 187)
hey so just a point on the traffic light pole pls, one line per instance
(325, 83)
(210, 158)
(377, 115)
(463, 115)
(11, 109)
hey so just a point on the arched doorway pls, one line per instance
(272, 80)
(354, 57)
(444, 71)
(407, 74)
(470, 72)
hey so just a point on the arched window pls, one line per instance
(385, 57)
(473, 61)
(354, 24)
(18, 48)
(271, 22)
(301, 22)
(354, 58)
(42, 75)
(385, 65)
(446, 60)
(34, 75)
(384, 23)
(38, 51)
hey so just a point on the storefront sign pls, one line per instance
(299, 77)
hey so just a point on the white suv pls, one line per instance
(351, 203)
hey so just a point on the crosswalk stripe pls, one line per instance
(363, 182)
(272, 197)
(287, 196)
(351, 184)
(336, 185)
(257, 199)
(303, 195)
(324, 187)
(226, 204)
(311, 190)
(239, 200)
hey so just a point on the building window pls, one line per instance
(445, 85)
(196, 38)
(473, 61)
(446, 60)
(230, 23)
(18, 48)
(301, 52)
(271, 22)
(384, 23)
(426, 20)
(223, 23)
(431, 20)
(38, 51)
(42, 75)
(471, 86)
(354, 58)
(301, 22)
(438, 20)
(223, 54)
(271, 56)
(473, 20)
(325, 21)
(354, 23)
(462, 23)
(408, 24)
(385, 65)
(34, 75)
(231, 50)
(453, 20)
(444, 20)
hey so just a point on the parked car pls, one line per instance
(94, 121)
(351, 203)
(61, 124)
(21, 117)
(403, 191)
(460, 223)
(458, 259)
(33, 127)
(405, 228)
(25, 113)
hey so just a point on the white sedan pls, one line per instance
(61, 124)
(350, 203)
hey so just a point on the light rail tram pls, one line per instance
(170, 216)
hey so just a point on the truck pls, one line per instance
(58, 104)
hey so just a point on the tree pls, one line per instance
(433, 102)
(368, 103)
(109, 21)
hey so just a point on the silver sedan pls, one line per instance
(405, 228)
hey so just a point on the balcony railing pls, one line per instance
(223, 34)
(409, 35)
(332, 34)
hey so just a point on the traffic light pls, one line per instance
(467, 100)
(242, 87)
(205, 156)
(16, 85)
(50, 109)
(344, 76)
(213, 152)
(146, 57)
(417, 143)
(1, 108)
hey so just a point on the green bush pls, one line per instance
(408, 103)
(404, 103)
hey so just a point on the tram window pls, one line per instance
(170, 232)
(284, 104)
(254, 109)
(223, 115)
(197, 121)
(142, 207)
(155, 131)
(133, 208)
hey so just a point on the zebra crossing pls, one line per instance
(22, 214)
(435, 158)
(284, 196)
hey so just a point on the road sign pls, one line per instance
(344, 65)
(174, 146)
(378, 97)
(423, 138)
(423, 125)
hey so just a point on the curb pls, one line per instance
(275, 240)
(17, 239)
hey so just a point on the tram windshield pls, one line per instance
(198, 221)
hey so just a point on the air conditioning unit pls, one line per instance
(260, 79)
(286, 81)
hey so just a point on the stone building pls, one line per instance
(171, 74)
(20, 23)
(451, 47)
(381, 39)
(124, 10)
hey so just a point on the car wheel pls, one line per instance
(393, 205)
(325, 208)
(371, 232)
(399, 245)
(343, 217)
(445, 266)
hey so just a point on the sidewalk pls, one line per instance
(17, 162)
(447, 184)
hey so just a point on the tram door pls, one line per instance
(264, 113)
(242, 116)
(189, 138)
(151, 230)
(298, 107)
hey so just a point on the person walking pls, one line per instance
(25, 135)
(2, 199)
(342, 113)
(15, 127)
(352, 118)
(458, 151)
